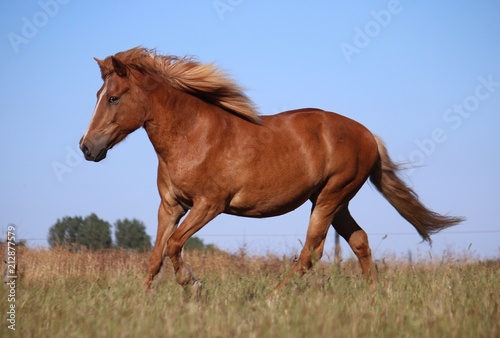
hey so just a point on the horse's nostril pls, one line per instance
(85, 150)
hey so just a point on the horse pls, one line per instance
(217, 154)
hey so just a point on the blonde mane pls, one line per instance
(203, 80)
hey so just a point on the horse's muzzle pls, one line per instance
(90, 155)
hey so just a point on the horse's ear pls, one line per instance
(120, 67)
(103, 69)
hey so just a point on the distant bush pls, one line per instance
(74, 233)
(195, 243)
(131, 234)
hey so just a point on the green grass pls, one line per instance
(64, 294)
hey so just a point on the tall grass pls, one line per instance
(100, 294)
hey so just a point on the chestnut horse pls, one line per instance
(217, 155)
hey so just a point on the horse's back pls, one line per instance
(324, 130)
(315, 120)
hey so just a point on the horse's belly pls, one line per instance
(268, 204)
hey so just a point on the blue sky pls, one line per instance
(423, 75)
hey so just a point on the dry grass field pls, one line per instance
(100, 294)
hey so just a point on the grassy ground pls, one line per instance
(63, 294)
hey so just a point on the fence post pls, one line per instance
(338, 251)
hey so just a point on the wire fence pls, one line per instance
(246, 235)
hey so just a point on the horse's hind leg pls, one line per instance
(312, 251)
(347, 227)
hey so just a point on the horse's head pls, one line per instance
(118, 111)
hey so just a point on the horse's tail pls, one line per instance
(404, 199)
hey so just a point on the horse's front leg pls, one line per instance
(201, 213)
(169, 215)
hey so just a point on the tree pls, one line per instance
(95, 234)
(75, 232)
(65, 232)
(131, 234)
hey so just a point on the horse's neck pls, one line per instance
(179, 120)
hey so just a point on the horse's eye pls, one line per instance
(113, 99)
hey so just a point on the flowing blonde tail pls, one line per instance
(404, 199)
